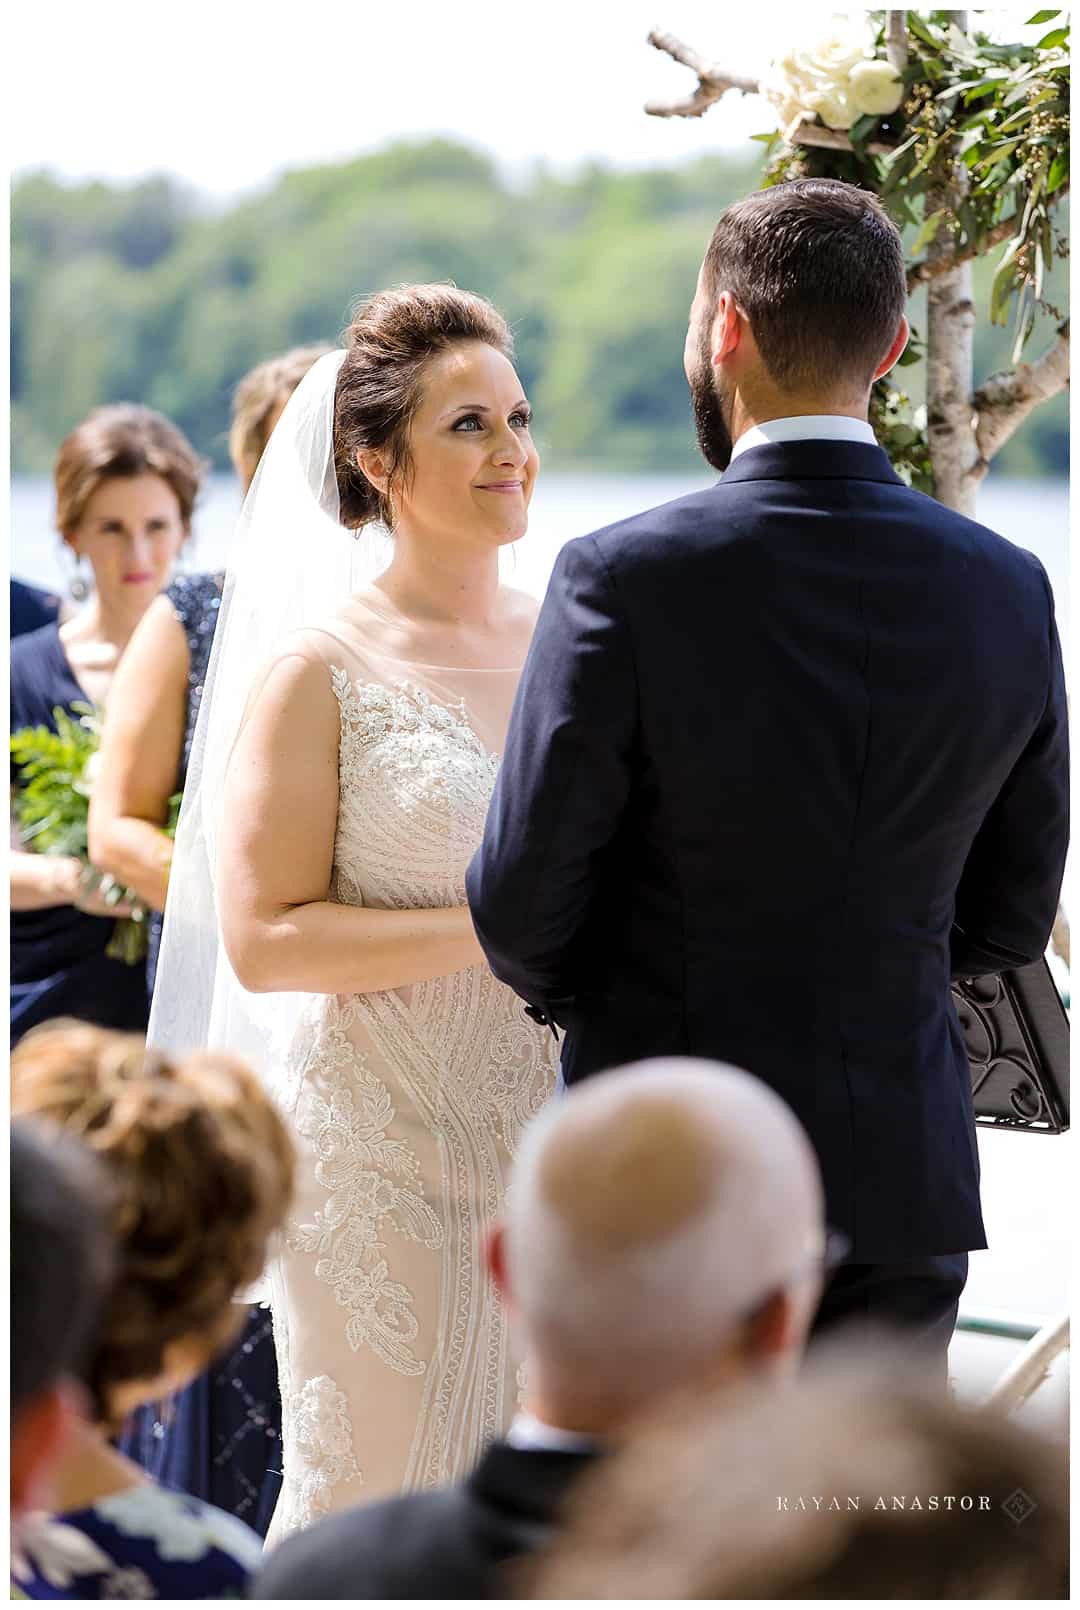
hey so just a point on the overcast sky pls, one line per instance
(227, 94)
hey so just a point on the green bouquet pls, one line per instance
(52, 806)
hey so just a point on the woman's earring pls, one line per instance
(79, 587)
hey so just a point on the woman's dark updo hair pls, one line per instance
(393, 336)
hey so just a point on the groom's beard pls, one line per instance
(713, 435)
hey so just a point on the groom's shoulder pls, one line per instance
(988, 554)
(652, 532)
(730, 512)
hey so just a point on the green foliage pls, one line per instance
(139, 293)
(900, 427)
(52, 800)
(998, 114)
(51, 806)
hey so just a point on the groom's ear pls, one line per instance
(900, 341)
(726, 329)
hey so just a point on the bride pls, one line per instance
(336, 800)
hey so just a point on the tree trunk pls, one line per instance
(950, 417)
(950, 358)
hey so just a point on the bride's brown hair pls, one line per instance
(393, 336)
(201, 1171)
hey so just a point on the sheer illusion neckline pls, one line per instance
(428, 665)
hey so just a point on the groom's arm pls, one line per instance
(1008, 893)
(562, 786)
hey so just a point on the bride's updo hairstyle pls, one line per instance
(200, 1172)
(393, 336)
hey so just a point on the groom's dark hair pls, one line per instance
(817, 266)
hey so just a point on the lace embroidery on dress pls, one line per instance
(358, 1163)
(323, 1446)
(409, 1103)
(374, 711)
(407, 763)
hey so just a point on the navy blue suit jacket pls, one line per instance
(787, 756)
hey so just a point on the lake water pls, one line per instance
(1031, 513)
(1028, 1179)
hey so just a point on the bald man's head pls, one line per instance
(652, 1211)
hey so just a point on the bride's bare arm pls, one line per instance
(281, 931)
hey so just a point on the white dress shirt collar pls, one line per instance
(805, 427)
(526, 1431)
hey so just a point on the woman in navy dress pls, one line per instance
(126, 481)
(31, 607)
(220, 1438)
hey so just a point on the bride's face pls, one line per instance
(473, 462)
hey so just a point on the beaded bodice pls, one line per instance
(415, 784)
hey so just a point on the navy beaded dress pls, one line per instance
(219, 1439)
(59, 966)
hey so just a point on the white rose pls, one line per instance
(785, 66)
(876, 88)
(837, 54)
(815, 78)
(786, 94)
(834, 108)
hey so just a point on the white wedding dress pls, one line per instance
(406, 1106)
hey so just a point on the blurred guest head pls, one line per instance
(663, 1228)
(258, 403)
(61, 1265)
(799, 308)
(201, 1172)
(855, 1481)
(431, 425)
(126, 482)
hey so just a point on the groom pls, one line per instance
(790, 754)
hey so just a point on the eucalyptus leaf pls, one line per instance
(901, 150)
(1000, 284)
(921, 30)
(1017, 117)
(998, 153)
(1024, 328)
(928, 232)
(927, 157)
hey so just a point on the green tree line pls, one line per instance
(147, 293)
